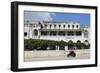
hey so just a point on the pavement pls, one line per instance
(61, 55)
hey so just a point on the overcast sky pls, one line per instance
(84, 19)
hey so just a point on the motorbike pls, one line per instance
(71, 53)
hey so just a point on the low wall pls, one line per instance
(52, 53)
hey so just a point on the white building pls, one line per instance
(56, 31)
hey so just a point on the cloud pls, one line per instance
(37, 16)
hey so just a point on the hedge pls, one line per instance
(39, 44)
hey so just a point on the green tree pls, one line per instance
(70, 44)
(79, 44)
(61, 45)
(38, 44)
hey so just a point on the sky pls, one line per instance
(84, 19)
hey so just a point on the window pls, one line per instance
(55, 25)
(50, 25)
(25, 34)
(78, 33)
(59, 26)
(53, 33)
(62, 33)
(68, 26)
(70, 33)
(86, 41)
(35, 32)
(44, 33)
(41, 26)
(64, 26)
(45, 25)
(86, 34)
(76, 26)
(72, 26)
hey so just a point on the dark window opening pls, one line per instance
(59, 26)
(62, 33)
(86, 41)
(35, 32)
(70, 33)
(50, 25)
(55, 26)
(45, 26)
(64, 26)
(86, 34)
(76, 26)
(44, 33)
(52, 33)
(41, 26)
(68, 26)
(72, 26)
(78, 33)
(25, 34)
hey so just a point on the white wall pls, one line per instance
(5, 36)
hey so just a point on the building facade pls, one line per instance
(57, 31)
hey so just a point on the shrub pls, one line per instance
(71, 44)
(79, 44)
(39, 44)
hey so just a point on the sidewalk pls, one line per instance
(54, 55)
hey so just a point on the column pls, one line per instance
(30, 28)
(39, 34)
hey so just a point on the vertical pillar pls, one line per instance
(39, 34)
(58, 35)
(57, 47)
(82, 34)
(66, 48)
(48, 33)
(28, 30)
(30, 27)
(74, 33)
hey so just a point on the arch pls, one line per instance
(86, 33)
(86, 42)
(35, 32)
